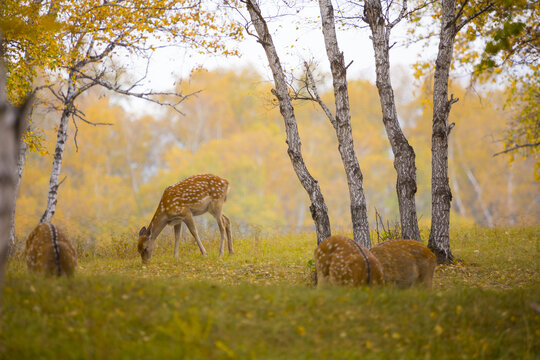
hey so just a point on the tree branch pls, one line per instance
(517, 147)
(473, 16)
(141, 95)
(400, 17)
(312, 89)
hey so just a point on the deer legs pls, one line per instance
(177, 231)
(227, 223)
(224, 229)
(193, 230)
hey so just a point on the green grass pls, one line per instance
(260, 304)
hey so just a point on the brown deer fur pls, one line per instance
(193, 196)
(49, 251)
(405, 262)
(341, 261)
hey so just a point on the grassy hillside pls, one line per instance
(260, 304)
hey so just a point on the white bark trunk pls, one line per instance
(404, 156)
(478, 190)
(21, 161)
(343, 127)
(319, 211)
(510, 196)
(52, 197)
(455, 184)
(441, 196)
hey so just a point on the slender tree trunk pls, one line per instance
(478, 190)
(61, 138)
(319, 211)
(441, 196)
(343, 127)
(21, 161)
(455, 184)
(510, 196)
(404, 156)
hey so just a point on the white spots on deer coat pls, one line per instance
(40, 251)
(195, 189)
(193, 196)
(406, 262)
(340, 261)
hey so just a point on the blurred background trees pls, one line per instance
(231, 128)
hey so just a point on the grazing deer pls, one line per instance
(406, 262)
(342, 261)
(191, 197)
(49, 251)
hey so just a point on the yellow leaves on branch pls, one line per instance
(54, 35)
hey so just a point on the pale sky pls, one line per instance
(295, 43)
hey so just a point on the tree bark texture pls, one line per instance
(441, 196)
(404, 156)
(61, 138)
(319, 211)
(21, 161)
(12, 122)
(343, 127)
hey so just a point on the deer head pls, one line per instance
(145, 245)
(180, 203)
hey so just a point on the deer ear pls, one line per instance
(143, 230)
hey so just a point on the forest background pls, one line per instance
(232, 127)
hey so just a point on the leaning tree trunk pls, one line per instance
(52, 197)
(441, 196)
(404, 157)
(343, 127)
(319, 211)
(12, 122)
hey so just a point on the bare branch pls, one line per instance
(75, 113)
(312, 87)
(473, 16)
(76, 132)
(141, 95)
(517, 147)
(400, 17)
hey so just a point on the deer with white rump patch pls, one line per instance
(342, 261)
(49, 251)
(193, 196)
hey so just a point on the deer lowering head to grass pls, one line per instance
(191, 197)
(405, 262)
(341, 261)
(49, 251)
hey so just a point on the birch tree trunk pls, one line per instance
(21, 161)
(478, 189)
(404, 156)
(441, 196)
(61, 138)
(454, 181)
(342, 126)
(510, 196)
(12, 122)
(319, 211)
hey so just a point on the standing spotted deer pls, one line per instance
(49, 251)
(341, 261)
(193, 196)
(406, 262)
